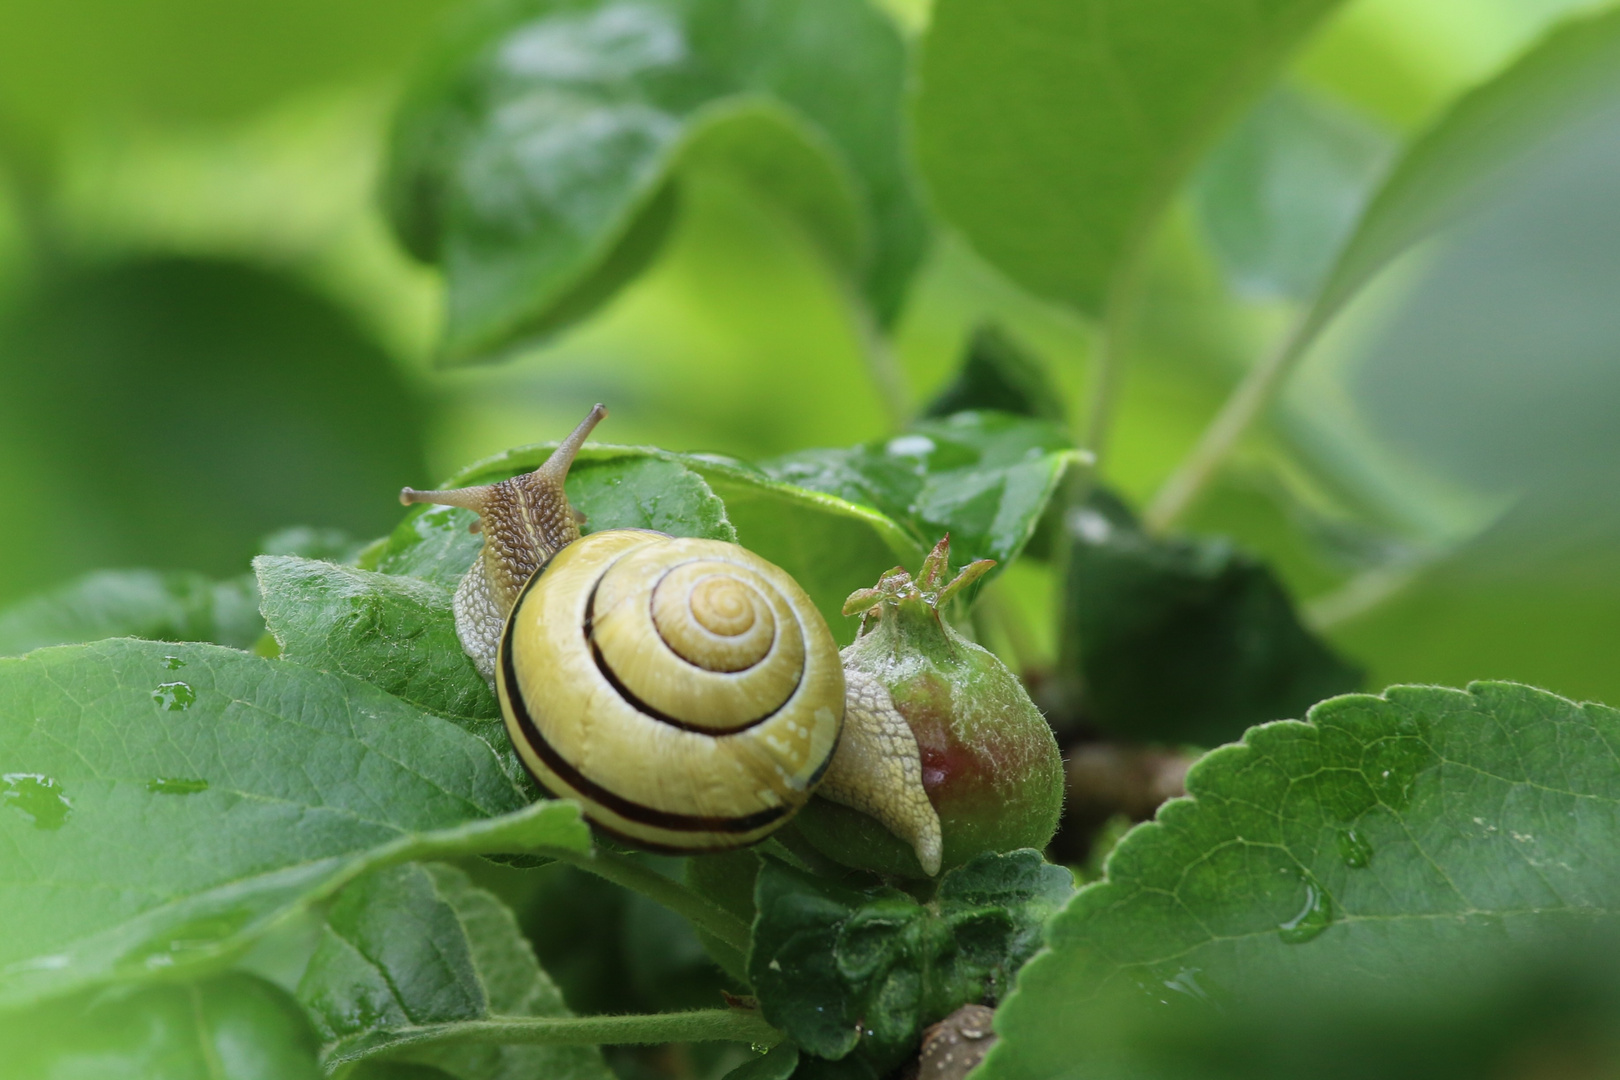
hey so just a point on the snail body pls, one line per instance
(686, 692)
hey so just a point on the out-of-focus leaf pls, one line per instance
(175, 411)
(983, 477)
(231, 1027)
(830, 546)
(392, 631)
(160, 605)
(1000, 374)
(1281, 192)
(165, 804)
(419, 944)
(1183, 640)
(1054, 134)
(539, 159)
(1382, 838)
(779, 1063)
(842, 971)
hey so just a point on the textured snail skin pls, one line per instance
(686, 692)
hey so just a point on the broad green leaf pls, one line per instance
(390, 630)
(614, 487)
(830, 546)
(175, 410)
(170, 605)
(983, 477)
(1183, 639)
(1054, 134)
(842, 971)
(778, 1063)
(420, 944)
(999, 373)
(1381, 836)
(540, 158)
(1281, 193)
(231, 1027)
(162, 805)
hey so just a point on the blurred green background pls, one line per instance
(207, 333)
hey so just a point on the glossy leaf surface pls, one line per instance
(161, 605)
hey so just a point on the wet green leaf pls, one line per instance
(540, 158)
(165, 804)
(983, 477)
(842, 971)
(420, 944)
(232, 1027)
(393, 631)
(1382, 837)
(1184, 639)
(1282, 191)
(161, 605)
(1054, 134)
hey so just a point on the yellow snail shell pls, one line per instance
(687, 692)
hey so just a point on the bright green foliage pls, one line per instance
(161, 605)
(230, 1027)
(539, 159)
(1280, 194)
(1054, 134)
(999, 373)
(1381, 835)
(983, 477)
(420, 944)
(844, 972)
(1184, 640)
(392, 631)
(164, 804)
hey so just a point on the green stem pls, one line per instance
(1246, 402)
(698, 1025)
(1102, 390)
(625, 871)
(882, 364)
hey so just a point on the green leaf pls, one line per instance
(842, 971)
(231, 1027)
(420, 944)
(778, 1063)
(165, 804)
(830, 546)
(983, 477)
(1379, 837)
(540, 159)
(1282, 191)
(614, 487)
(170, 605)
(999, 373)
(392, 631)
(1184, 639)
(1054, 134)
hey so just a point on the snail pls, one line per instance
(685, 692)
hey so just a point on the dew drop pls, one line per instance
(174, 696)
(1186, 982)
(176, 785)
(1354, 849)
(39, 798)
(1315, 915)
(173, 663)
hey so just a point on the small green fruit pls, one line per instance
(990, 765)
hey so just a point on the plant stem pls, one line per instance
(882, 364)
(698, 1025)
(1102, 390)
(1245, 403)
(1361, 594)
(625, 871)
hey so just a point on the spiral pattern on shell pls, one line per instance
(687, 692)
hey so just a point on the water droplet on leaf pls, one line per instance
(1354, 849)
(39, 798)
(175, 785)
(174, 696)
(173, 663)
(1315, 915)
